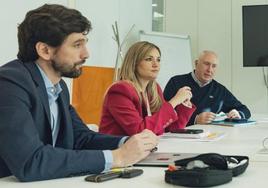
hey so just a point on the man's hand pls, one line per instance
(205, 118)
(136, 148)
(234, 114)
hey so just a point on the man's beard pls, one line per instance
(69, 71)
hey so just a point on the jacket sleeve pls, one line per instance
(185, 117)
(87, 139)
(84, 138)
(231, 102)
(184, 114)
(22, 150)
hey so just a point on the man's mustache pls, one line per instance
(80, 62)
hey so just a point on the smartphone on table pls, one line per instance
(188, 131)
(126, 173)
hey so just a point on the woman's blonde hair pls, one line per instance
(135, 54)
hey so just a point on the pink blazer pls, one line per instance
(123, 113)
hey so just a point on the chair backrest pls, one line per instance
(88, 92)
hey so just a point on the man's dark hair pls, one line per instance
(50, 24)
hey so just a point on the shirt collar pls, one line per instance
(198, 82)
(51, 89)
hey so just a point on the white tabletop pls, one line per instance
(255, 176)
(237, 141)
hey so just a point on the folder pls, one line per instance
(234, 123)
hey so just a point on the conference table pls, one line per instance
(242, 140)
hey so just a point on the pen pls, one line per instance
(154, 149)
(212, 135)
(220, 106)
(104, 176)
(117, 169)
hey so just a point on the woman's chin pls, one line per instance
(153, 78)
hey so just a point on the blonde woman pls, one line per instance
(136, 102)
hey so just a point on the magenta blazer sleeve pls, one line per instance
(184, 114)
(122, 113)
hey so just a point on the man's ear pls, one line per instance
(44, 51)
(196, 62)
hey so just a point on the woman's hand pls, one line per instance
(183, 95)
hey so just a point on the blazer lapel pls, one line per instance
(65, 136)
(40, 86)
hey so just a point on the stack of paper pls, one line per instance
(203, 137)
(186, 135)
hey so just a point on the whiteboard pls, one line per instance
(176, 56)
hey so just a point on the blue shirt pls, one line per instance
(198, 82)
(53, 92)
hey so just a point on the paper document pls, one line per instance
(181, 135)
(220, 117)
(213, 136)
(204, 137)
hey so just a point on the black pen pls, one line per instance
(154, 149)
(104, 176)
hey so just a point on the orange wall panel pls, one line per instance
(88, 92)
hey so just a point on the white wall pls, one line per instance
(181, 18)
(217, 25)
(247, 82)
(12, 12)
(102, 14)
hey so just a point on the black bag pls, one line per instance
(206, 170)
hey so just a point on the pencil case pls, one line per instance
(206, 170)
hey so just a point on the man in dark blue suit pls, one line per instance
(41, 135)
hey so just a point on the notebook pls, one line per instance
(233, 123)
(159, 159)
